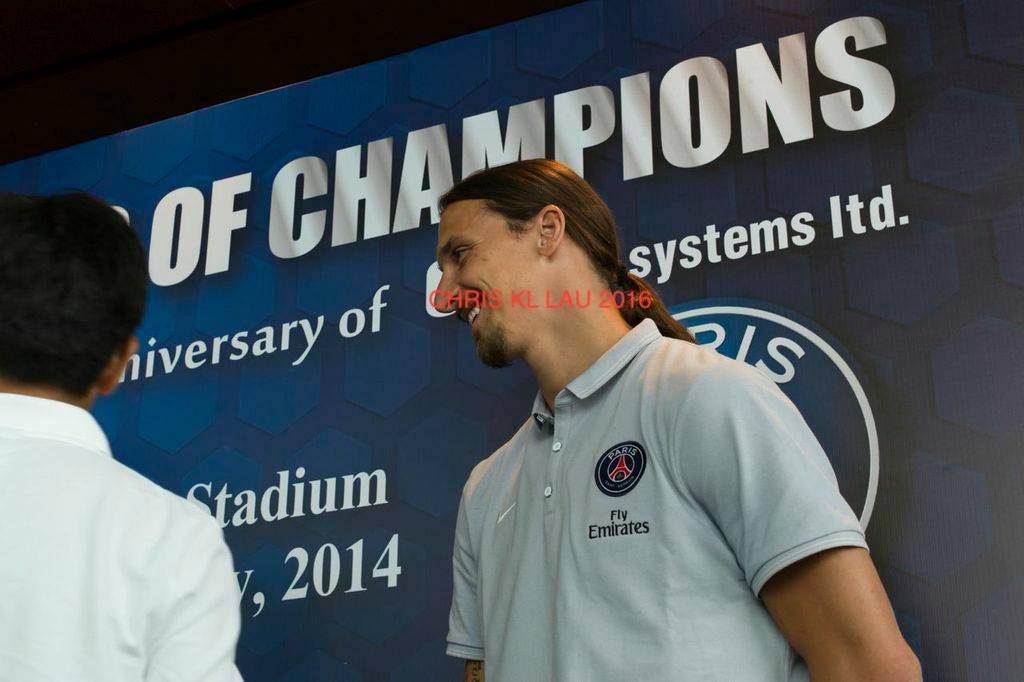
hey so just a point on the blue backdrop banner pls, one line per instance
(829, 190)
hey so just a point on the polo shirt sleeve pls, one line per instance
(465, 632)
(748, 457)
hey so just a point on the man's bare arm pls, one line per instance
(474, 672)
(834, 611)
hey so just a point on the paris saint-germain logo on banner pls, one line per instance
(812, 368)
(620, 467)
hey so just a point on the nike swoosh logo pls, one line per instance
(505, 513)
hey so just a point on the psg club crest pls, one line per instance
(620, 467)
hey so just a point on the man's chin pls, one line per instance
(493, 350)
(495, 361)
(492, 357)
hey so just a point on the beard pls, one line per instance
(492, 346)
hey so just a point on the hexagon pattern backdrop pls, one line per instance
(929, 316)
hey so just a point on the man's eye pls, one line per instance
(459, 252)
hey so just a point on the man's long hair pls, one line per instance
(518, 191)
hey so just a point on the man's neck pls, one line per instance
(577, 340)
(49, 392)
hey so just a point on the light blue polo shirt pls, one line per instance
(627, 535)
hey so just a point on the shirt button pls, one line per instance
(547, 491)
(557, 446)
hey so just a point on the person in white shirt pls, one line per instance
(104, 575)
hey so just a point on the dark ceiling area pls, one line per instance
(72, 71)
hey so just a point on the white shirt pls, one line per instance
(104, 575)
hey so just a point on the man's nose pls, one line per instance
(445, 295)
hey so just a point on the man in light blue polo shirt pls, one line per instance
(665, 513)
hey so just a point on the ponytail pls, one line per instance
(646, 303)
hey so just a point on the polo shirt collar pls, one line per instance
(606, 366)
(24, 415)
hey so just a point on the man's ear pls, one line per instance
(111, 375)
(551, 229)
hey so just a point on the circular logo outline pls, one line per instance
(608, 465)
(837, 359)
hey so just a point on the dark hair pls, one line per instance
(72, 288)
(518, 191)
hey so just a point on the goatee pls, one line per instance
(492, 346)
